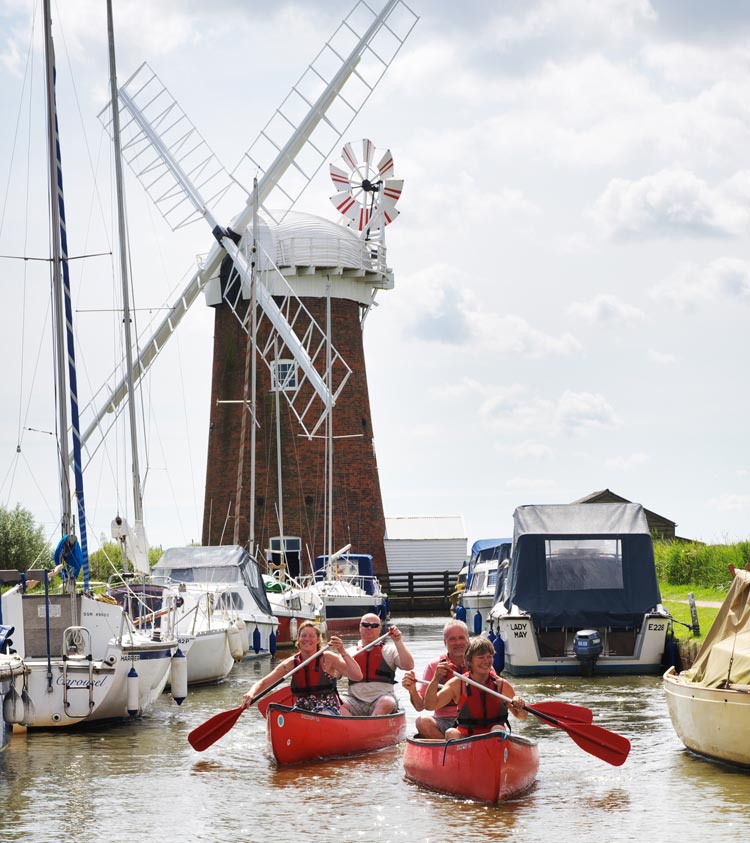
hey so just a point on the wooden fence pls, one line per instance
(412, 590)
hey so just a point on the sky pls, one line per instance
(571, 262)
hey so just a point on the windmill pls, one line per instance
(186, 182)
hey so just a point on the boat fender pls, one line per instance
(242, 626)
(460, 612)
(293, 628)
(477, 622)
(178, 676)
(235, 642)
(13, 707)
(498, 660)
(491, 635)
(256, 639)
(272, 642)
(133, 692)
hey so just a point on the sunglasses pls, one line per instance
(367, 625)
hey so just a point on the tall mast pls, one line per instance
(62, 318)
(66, 518)
(124, 275)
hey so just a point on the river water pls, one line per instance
(142, 780)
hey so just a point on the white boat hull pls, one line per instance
(712, 722)
(529, 652)
(209, 657)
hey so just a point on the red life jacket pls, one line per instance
(374, 667)
(477, 711)
(312, 679)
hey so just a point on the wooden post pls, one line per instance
(694, 614)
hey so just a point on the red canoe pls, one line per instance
(295, 735)
(488, 768)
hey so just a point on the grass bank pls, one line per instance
(703, 569)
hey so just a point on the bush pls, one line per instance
(108, 560)
(693, 563)
(22, 540)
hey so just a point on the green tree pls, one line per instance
(108, 560)
(22, 540)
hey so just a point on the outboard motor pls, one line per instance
(587, 646)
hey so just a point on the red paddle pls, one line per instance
(553, 709)
(217, 726)
(609, 746)
(283, 696)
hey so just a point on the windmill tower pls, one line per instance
(317, 492)
(296, 328)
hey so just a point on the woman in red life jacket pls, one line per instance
(477, 712)
(313, 687)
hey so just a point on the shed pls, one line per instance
(660, 526)
(429, 543)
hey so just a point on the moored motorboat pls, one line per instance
(709, 704)
(295, 735)
(487, 768)
(581, 596)
(488, 561)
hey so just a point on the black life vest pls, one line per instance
(477, 711)
(374, 667)
(312, 679)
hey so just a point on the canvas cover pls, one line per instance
(230, 563)
(582, 565)
(724, 657)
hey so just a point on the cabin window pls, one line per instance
(583, 564)
(283, 375)
(230, 600)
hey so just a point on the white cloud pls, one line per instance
(573, 413)
(670, 203)
(577, 412)
(626, 462)
(663, 358)
(605, 308)
(528, 484)
(729, 502)
(528, 449)
(689, 286)
(437, 304)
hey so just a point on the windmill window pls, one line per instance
(283, 375)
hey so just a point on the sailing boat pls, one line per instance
(84, 659)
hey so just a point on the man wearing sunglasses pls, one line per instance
(374, 695)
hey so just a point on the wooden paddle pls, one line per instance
(609, 746)
(564, 711)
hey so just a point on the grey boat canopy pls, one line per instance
(212, 564)
(582, 565)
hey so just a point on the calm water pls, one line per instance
(144, 781)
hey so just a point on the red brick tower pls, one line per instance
(319, 259)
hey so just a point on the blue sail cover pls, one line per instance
(582, 565)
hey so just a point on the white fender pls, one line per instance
(293, 628)
(133, 692)
(235, 642)
(178, 676)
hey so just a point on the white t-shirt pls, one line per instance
(370, 691)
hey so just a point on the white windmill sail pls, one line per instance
(287, 152)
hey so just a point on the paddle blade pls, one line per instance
(283, 696)
(216, 727)
(563, 711)
(609, 746)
